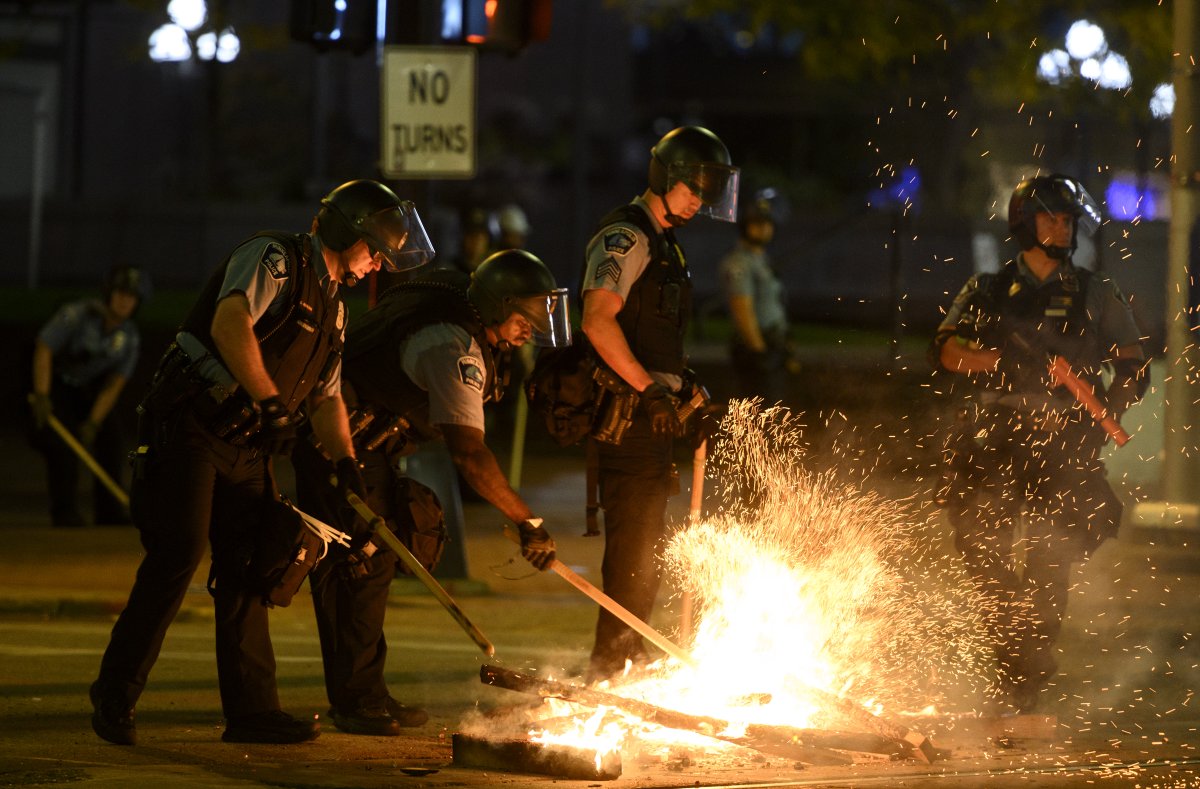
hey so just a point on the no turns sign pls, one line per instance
(428, 112)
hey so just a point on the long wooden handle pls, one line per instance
(1060, 368)
(699, 463)
(612, 606)
(58, 427)
(380, 529)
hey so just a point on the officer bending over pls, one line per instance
(264, 337)
(419, 366)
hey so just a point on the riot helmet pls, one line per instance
(369, 211)
(514, 280)
(757, 210)
(514, 226)
(698, 158)
(129, 279)
(1050, 194)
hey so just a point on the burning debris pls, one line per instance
(820, 617)
(527, 756)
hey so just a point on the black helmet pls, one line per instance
(514, 280)
(697, 157)
(481, 220)
(1050, 194)
(129, 279)
(369, 211)
(759, 209)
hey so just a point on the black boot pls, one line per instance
(275, 727)
(112, 717)
(371, 722)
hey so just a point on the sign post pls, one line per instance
(428, 112)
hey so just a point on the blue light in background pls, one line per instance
(1128, 201)
(904, 191)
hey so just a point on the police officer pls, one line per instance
(480, 229)
(514, 227)
(758, 349)
(263, 339)
(1027, 445)
(82, 360)
(419, 366)
(637, 300)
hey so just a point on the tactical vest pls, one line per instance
(1055, 314)
(371, 364)
(302, 344)
(656, 312)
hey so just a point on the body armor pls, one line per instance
(301, 345)
(384, 393)
(1053, 315)
(656, 313)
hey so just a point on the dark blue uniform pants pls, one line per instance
(1069, 510)
(636, 479)
(349, 611)
(196, 488)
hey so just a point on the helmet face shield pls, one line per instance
(549, 315)
(397, 235)
(1067, 195)
(715, 184)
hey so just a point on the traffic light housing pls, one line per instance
(506, 25)
(335, 24)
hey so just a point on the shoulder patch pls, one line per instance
(470, 372)
(275, 260)
(620, 240)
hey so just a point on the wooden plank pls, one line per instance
(525, 756)
(811, 746)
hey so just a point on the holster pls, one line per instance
(230, 416)
(616, 403)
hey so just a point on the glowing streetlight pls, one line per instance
(169, 44)
(1085, 40)
(188, 14)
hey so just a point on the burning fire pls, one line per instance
(813, 598)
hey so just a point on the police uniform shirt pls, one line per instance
(1106, 306)
(83, 351)
(447, 362)
(616, 257)
(746, 272)
(258, 270)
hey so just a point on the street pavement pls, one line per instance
(1124, 698)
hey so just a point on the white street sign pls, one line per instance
(428, 112)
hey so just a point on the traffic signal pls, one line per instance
(505, 25)
(335, 24)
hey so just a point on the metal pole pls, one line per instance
(1179, 509)
(37, 185)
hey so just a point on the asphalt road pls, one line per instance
(1124, 701)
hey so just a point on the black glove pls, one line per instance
(42, 409)
(537, 546)
(661, 406)
(87, 433)
(278, 431)
(350, 480)
(358, 564)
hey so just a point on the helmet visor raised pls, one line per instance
(715, 184)
(397, 235)
(549, 315)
